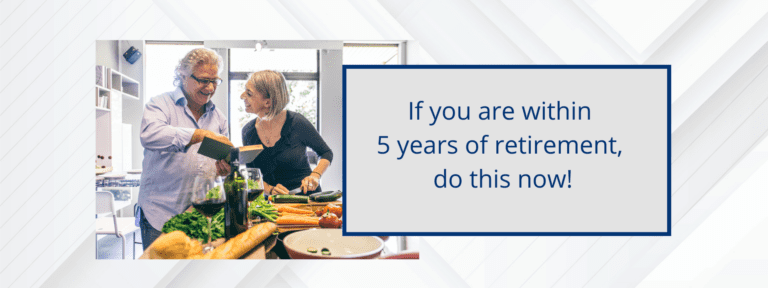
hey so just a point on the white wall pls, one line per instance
(109, 53)
(133, 109)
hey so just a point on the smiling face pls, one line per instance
(255, 102)
(197, 93)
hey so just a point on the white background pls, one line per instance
(717, 50)
(607, 193)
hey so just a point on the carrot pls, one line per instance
(294, 210)
(295, 205)
(302, 216)
(297, 220)
(294, 214)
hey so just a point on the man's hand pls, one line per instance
(222, 168)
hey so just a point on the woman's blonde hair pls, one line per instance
(193, 58)
(271, 84)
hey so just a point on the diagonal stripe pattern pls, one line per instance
(718, 49)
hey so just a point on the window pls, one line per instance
(300, 68)
(161, 59)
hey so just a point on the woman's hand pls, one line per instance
(310, 183)
(222, 168)
(279, 189)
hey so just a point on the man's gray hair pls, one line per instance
(271, 84)
(196, 57)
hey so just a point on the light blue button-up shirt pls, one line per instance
(168, 169)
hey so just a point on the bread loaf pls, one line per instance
(174, 245)
(241, 244)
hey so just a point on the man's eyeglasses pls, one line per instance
(205, 82)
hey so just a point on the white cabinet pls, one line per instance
(112, 88)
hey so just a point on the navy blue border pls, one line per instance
(669, 149)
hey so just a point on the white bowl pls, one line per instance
(350, 247)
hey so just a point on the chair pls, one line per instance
(118, 226)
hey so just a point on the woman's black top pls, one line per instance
(286, 162)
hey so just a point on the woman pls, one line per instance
(285, 136)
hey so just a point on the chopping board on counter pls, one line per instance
(337, 202)
(286, 228)
(312, 206)
(322, 204)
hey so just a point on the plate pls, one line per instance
(358, 247)
(137, 171)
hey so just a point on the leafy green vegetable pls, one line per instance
(213, 193)
(262, 208)
(217, 225)
(253, 184)
(195, 225)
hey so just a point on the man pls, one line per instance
(173, 122)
